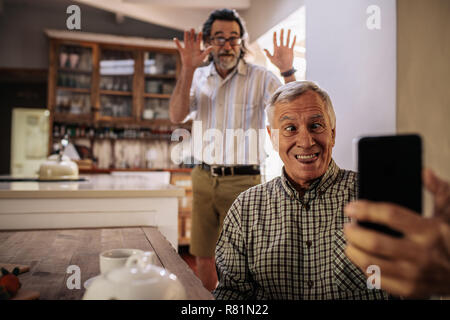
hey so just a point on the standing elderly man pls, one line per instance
(228, 94)
(284, 239)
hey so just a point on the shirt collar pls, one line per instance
(319, 186)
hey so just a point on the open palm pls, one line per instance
(192, 56)
(283, 54)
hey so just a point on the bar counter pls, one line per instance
(101, 201)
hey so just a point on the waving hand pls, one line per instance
(283, 54)
(192, 56)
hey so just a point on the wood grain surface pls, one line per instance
(49, 253)
(11, 267)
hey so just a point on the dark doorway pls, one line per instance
(19, 88)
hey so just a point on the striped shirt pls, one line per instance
(227, 109)
(277, 245)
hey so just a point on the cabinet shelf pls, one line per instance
(74, 70)
(73, 118)
(116, 92)
(160, 76)
(157, 95)
(158, 122)
(156, 137)
(71, 89)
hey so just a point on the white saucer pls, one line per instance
(88, 282)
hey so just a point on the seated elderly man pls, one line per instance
(284, 239)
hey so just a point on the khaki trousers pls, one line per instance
(212, 198)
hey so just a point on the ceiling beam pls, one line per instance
(175, 18)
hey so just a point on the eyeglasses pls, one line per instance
(220, 41)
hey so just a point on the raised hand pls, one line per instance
(192, 56)
(283, 54)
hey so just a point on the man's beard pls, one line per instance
(226, 60)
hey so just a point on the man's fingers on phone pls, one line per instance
(363, 260)
(402, 287)
(378, 243)
(434, 184)
(389, 214)
(441, 192)
(398, 269)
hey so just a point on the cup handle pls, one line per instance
(141, 259)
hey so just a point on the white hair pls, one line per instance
(292, 90)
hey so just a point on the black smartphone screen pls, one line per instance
(390, 170)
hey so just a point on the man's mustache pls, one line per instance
(226, 53)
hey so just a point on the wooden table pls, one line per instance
(50, 252)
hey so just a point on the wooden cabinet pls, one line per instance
(111, 94)
(183, 179)
(112, 88)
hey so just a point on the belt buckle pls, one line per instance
(212, 171)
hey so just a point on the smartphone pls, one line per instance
(390, 170)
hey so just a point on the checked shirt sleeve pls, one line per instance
(231, 259)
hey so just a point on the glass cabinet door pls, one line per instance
(160, 78)
(116, 83)
(74, 78)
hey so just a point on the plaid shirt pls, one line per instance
(277, 245)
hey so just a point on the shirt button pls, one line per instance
(306, 206)
(310, 283)
(308, 243)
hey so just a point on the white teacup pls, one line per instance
(116, 258)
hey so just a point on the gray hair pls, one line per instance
(293, 90)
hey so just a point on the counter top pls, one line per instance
(96, 186)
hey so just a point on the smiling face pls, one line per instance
(225, 57)
(305, 137)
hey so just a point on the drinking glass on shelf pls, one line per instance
(60, 80)
(74, 58)
(109, 83)
(85, 60)
(168, 87)
(76, 105)
(115, 109)
(82, 81)
(116, 82)
(87, 81)
(102, 83)
(148, 114)
(63, 56)
(68, 80)
(86, 104)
